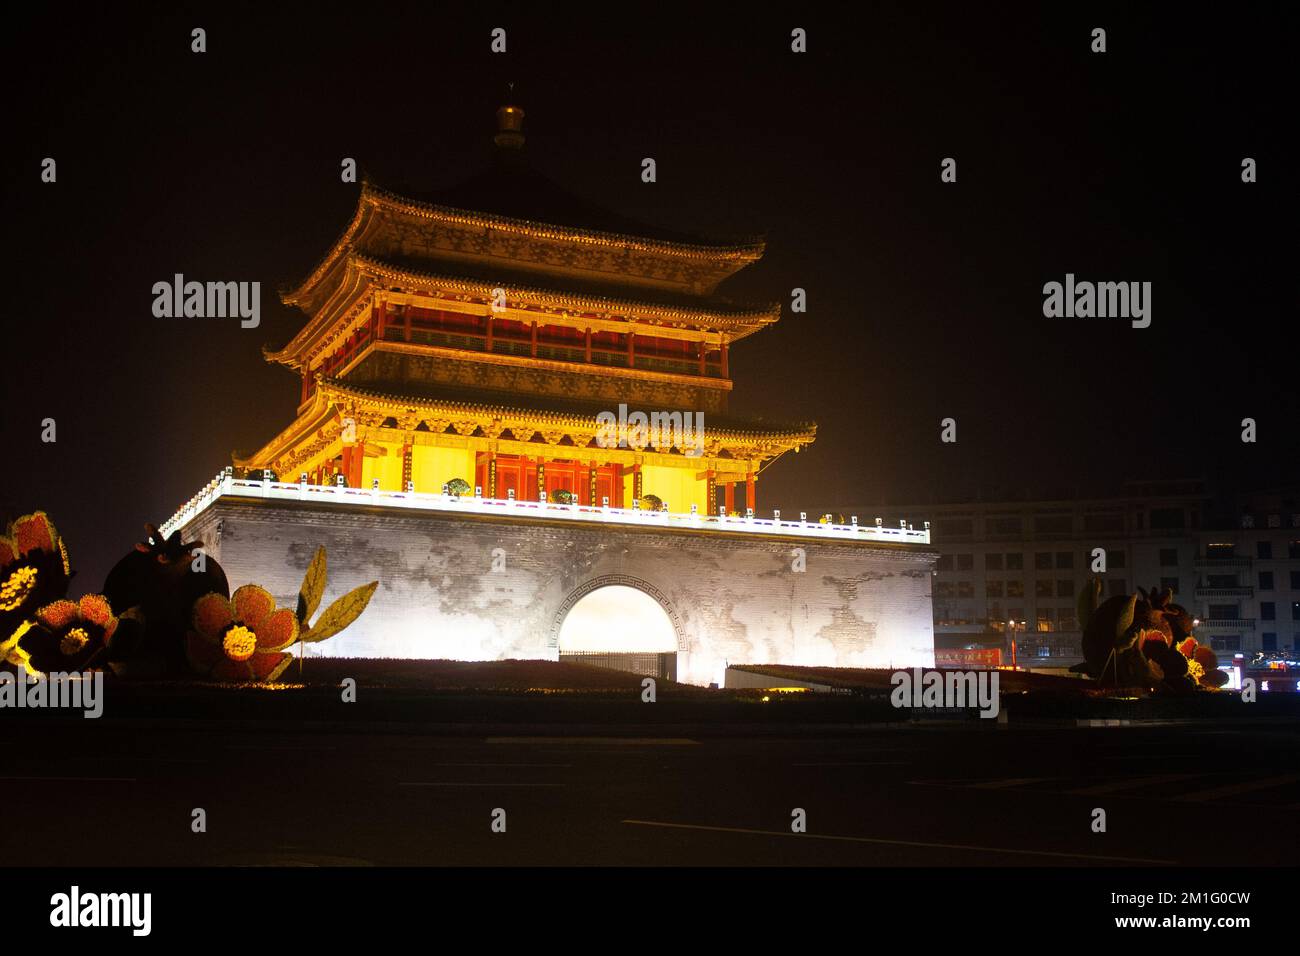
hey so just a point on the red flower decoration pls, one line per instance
(242, 638)
(33, 571)
(1208, 673)
(69, 635)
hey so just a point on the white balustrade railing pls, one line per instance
(226, 485)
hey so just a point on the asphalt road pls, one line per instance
(122, 794)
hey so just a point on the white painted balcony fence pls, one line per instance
(225, 484)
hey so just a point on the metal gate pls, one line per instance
(650, 663)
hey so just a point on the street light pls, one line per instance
(1011, 626)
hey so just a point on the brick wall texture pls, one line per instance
(731, 597)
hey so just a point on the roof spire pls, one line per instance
(510, 123)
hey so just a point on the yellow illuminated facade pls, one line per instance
(443, 343)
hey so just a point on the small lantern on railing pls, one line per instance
(902, 524)
(663, 506)
(510, 494)
(776, 515)
(695, 510)
(722, 512)
(478, 491)
(803, 517)
(410, 487)
(880, 523)
(749, 514)
(446, 489)
(927, 526)
(230, 471)
(853, 520)
(339, 482)
(541, 496)
(636, 504)
(374, 484)
(302, 478)
(604, 502)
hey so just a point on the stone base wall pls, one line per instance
(733, 597)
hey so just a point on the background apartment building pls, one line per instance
(1019, 566)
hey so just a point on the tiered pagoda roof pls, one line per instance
(627, 312)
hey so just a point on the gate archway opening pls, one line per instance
(623, 628)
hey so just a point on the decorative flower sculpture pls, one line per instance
(69, 635)
(1167, 665)
(1202, 664)
(1143, 640)
(33, 572)
(161, 578)
(242, 638)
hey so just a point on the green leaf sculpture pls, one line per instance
(313, 586)
(1123, 626)
(340, 614)
(1089, 598)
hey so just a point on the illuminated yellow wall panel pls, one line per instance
(677, 486)
(431, 468)
(386, 467)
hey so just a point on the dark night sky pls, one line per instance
(924, 298)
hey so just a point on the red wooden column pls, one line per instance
(349, 452)
(724, 361)
(534, 339)
(383, 318)
(751, 500)
(588, 346)
(701, 349)
(406, 322)
(631, 350)
(729, 496)
(488, 344)
(304, 386)
(358, 458)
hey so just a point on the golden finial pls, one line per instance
(510, 124)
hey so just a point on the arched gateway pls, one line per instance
(620, 622)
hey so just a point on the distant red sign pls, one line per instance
(968, 657)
